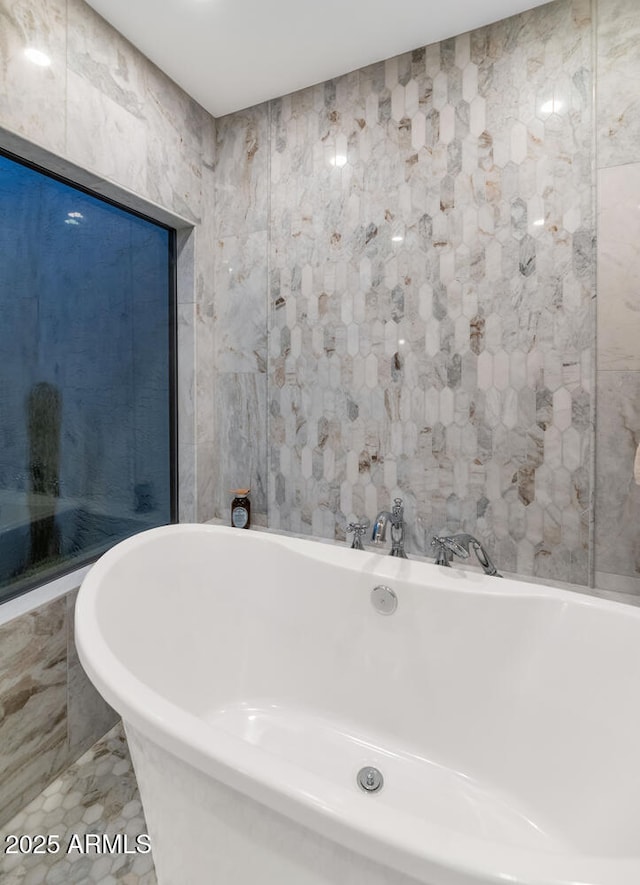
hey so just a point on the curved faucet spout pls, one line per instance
(379, 532)
(395, 518)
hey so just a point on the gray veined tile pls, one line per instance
(241, 303)
(619, 268)
(105, 137)
(397, 238)
(617, 497)
(240, 440)
(242, 171)
(33, 703)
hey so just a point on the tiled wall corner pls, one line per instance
(617, 497)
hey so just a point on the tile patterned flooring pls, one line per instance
(96, 795)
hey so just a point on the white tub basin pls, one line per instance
(255, 678)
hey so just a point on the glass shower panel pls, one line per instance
(86, 294)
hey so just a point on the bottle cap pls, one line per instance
(241, 492)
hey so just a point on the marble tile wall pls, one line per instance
(49, 711)
(102, 114)
(430, 232)
(617, 497)
(240, 328)
(430, 236)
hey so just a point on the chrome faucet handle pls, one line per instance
(466, 540)
(358, 529)
(445, 548)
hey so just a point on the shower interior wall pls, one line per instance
(332, 365)
(406, 295)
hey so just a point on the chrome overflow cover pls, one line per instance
(384, 600)
(370, 779)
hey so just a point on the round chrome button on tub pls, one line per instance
(370, 779)
(384, 600)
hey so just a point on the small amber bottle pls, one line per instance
(240, 509)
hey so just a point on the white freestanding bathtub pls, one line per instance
(256, 678)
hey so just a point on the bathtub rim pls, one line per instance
(391, 838)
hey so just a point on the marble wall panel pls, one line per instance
(618, 120)
(243, 156)
(100, 55)
(49, 711)
(432, 273)
(241, 164)
(619, 268)
(205, 362)
(100, 132)
(33, 704)
(618, 328)
(241, 441)
(28, 92)
(241, 303)
(617, 540)
(204, 482)
(188, 499)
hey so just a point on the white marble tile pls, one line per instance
(621, 588)
(28, 92)
(173, 173)
(242, 170)
(103, 136)
(241, 440)
(206, 461)
(186, 335)
(618, 102)
(205, 372)
(33, 704)
(103, 57)
(619, 268)
(186, 270)
(617, 497)
(241, 303)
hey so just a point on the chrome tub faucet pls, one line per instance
(448, 546)
(394, 518)
(358, 529)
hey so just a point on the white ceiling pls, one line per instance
(230, 54)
